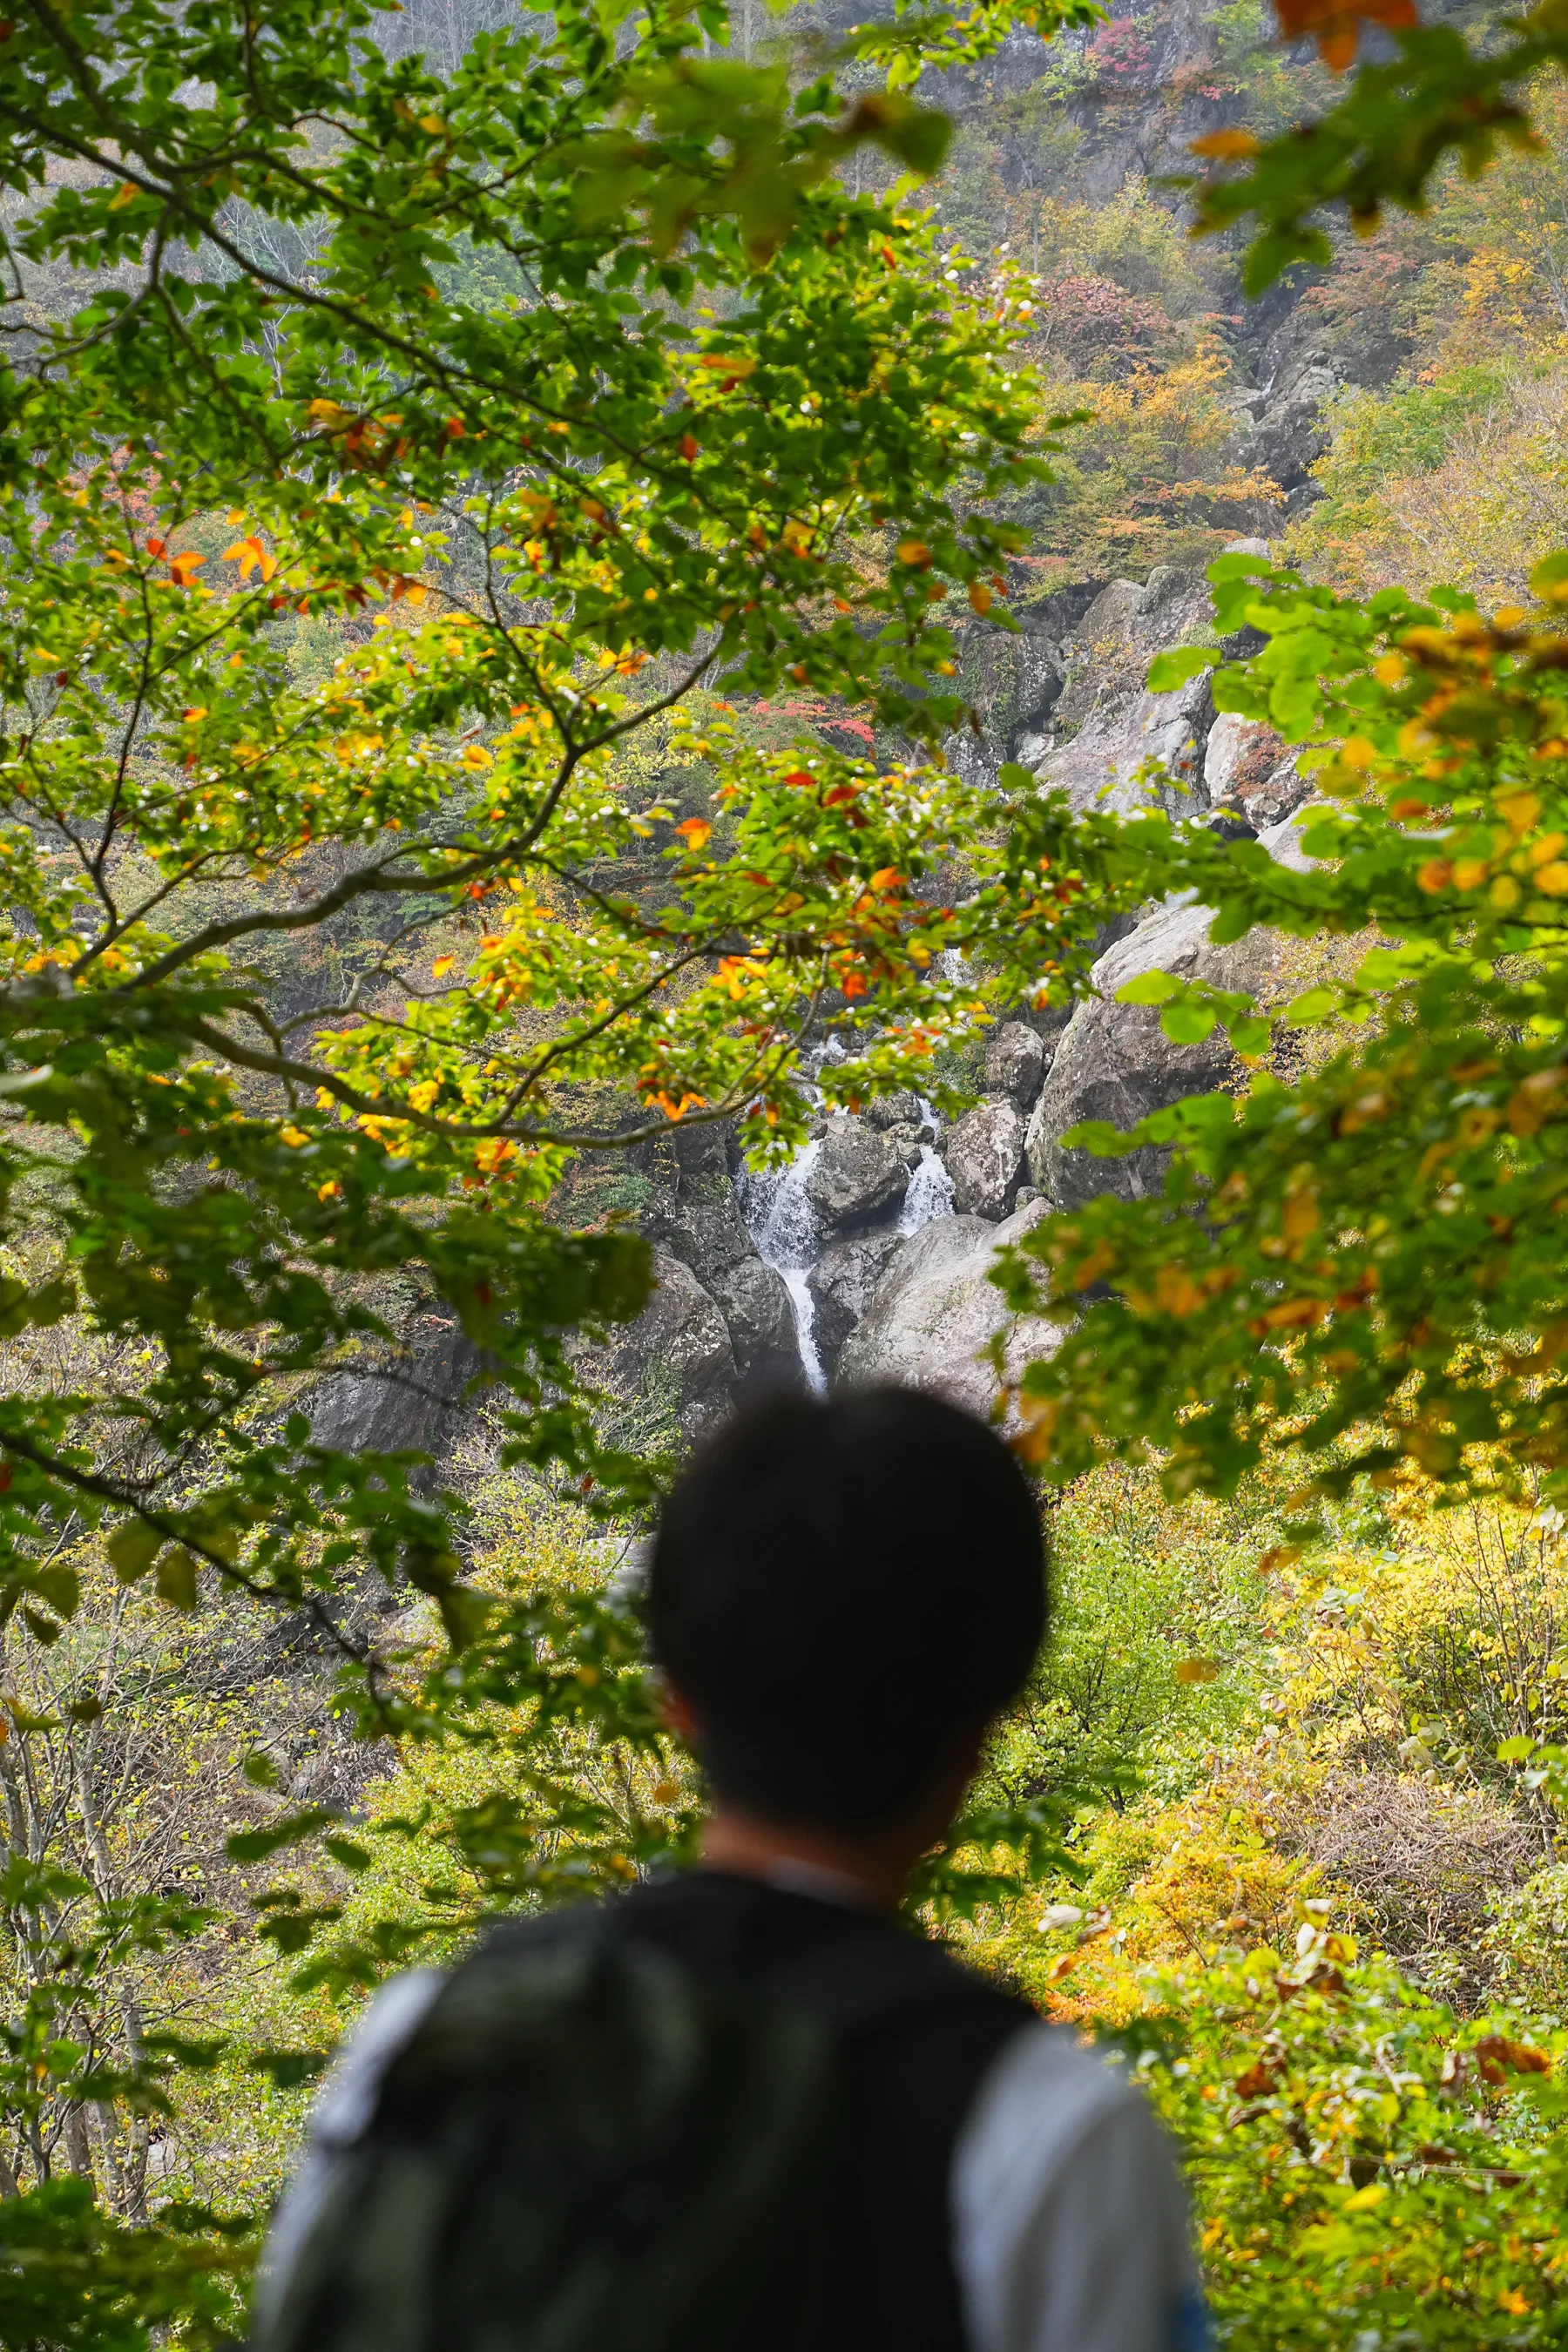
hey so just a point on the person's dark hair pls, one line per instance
(844, 1590)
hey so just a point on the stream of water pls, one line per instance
(782, 1221)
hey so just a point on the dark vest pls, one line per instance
(915, 2032)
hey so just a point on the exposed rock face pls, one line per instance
(857, 1173)
(1239, 751)
(680, 1335)
(1116, 1062)
(402, 1400)
(984, 1155)
(906, 1140)
(1247, 767)
(841, 1284)
(901, 1109)
(761, 1319)
(1113, 723)
(935, 1310)
(1015, 1064)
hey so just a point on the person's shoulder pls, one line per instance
(1056, 2058)
(1046, 2092)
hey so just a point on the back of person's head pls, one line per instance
(846, 1591)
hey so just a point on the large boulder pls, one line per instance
(984, 1155)
(680, 1339)
(857, 1174)
(901, 1108)
(1248, 767)
(1115, 1061)
(841, 1286)
(1239, 751)
(935, 1308)
(1112, 723)
(1014, 1063)
(700, 1224)
(760, 1314)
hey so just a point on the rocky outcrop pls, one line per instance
(984, 1155)
(681, 1340)
(935, 1310)
(694, 1221)
(1014, 1063)
(1249, 769)
(758, 1311)
(858, 1172)
(1106, 726)
(1115, 1061)
(841, 1286)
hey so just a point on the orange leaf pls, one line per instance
(1335, 25)
(183, 566)
(1495, 2055)
(979, 596)
(696, 832)
(799, 776)
(1226, 146)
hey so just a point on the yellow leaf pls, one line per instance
(1363, 2199)
(980, 596)
(476, 756)
(125, 194)
(294, 1136)
(1197, 1670)
(915, 554)
(442, 965)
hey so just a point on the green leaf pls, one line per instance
(1188, 1024)
(133, 1548)
(61, 1586)
(1149, 988)
(176, 1578)
(288, 2069)
(255, 1845)
(1252, 1035)
(1313, 1004)
(348, 1852)
(1169, 670)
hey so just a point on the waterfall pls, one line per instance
(930, 1195)
(782, 1223)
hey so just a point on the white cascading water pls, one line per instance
(782, 1221)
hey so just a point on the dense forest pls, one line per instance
(810, 745)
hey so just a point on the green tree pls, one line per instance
(393, 453)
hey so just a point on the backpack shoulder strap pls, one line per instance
(855, 1983)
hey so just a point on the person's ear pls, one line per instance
(678, 1714)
